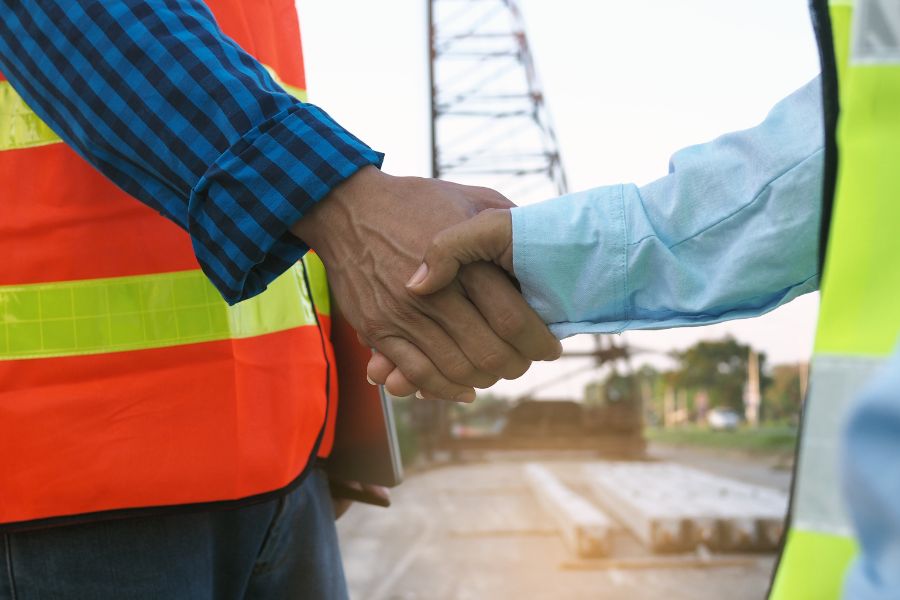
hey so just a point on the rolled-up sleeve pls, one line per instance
(731, 232)
(155, 96)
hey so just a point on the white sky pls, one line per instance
(628, 82)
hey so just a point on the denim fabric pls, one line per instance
(280, 549)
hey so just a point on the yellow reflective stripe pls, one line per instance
(813, 566)
(296, 92)
(316, 272)
(141, 312)
(860, 311)
(19, 126)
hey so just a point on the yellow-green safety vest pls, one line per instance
(859, 318)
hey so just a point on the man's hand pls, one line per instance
(485, 237)
(371, 232)
(345, 493)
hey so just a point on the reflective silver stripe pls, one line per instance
(876, 32)
(835, 382)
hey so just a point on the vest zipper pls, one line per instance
(313, 457)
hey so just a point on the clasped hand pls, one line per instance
(467, 330)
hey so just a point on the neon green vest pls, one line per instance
(859, 319)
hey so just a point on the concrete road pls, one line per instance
(473, 531)
(773, 471)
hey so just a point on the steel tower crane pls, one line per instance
(489, 119)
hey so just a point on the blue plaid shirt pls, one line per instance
(155, 96)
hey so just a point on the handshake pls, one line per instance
(421, 268)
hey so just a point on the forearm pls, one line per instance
(730, 232)
(156, 97)
(871, 479)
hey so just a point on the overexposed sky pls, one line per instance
(627, 82)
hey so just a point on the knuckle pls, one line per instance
(510, 323)
(493, 362)
(448, 391)
(407, 313)
(439, 245)
(373, 329)
(417, 373)
(461, 371)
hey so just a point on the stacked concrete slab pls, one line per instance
(672, 508)
(584, 527)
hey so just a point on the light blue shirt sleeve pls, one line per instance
(871, 481)
(731, 232)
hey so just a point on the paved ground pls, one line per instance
(771, 471)
(473, 531)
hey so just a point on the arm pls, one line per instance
(871, 482)
(156, 97)
(730, 232)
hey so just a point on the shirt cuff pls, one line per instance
(553, 243)
(241, 210)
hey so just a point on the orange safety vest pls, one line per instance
(126, 382)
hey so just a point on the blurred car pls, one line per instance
(723, 419)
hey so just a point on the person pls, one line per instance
(733, 231)
(155, 442)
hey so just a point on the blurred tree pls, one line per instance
(783, 397)
(594, 393)
(720, 368)
(645, 386)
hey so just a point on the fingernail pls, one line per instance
(369, 379)
(419, 395)
(419, 276)
(467, 397)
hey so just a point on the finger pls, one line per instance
(399, 381)
(378, 491)
(341, 506)
(504, 308)
(398, 384)
(474, 335)
(426, 395)
(417, 368)
(378, 369)
(486, 236)
(441, 348)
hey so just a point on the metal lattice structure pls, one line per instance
(490, 124)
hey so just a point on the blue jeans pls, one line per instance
(283, 548)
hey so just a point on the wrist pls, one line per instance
(335, 212)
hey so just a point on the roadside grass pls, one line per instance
(767, 439)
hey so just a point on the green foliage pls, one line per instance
(719, 367)
(773, 439)
(782, 399)
(714, 368)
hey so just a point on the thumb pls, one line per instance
(485, 237)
